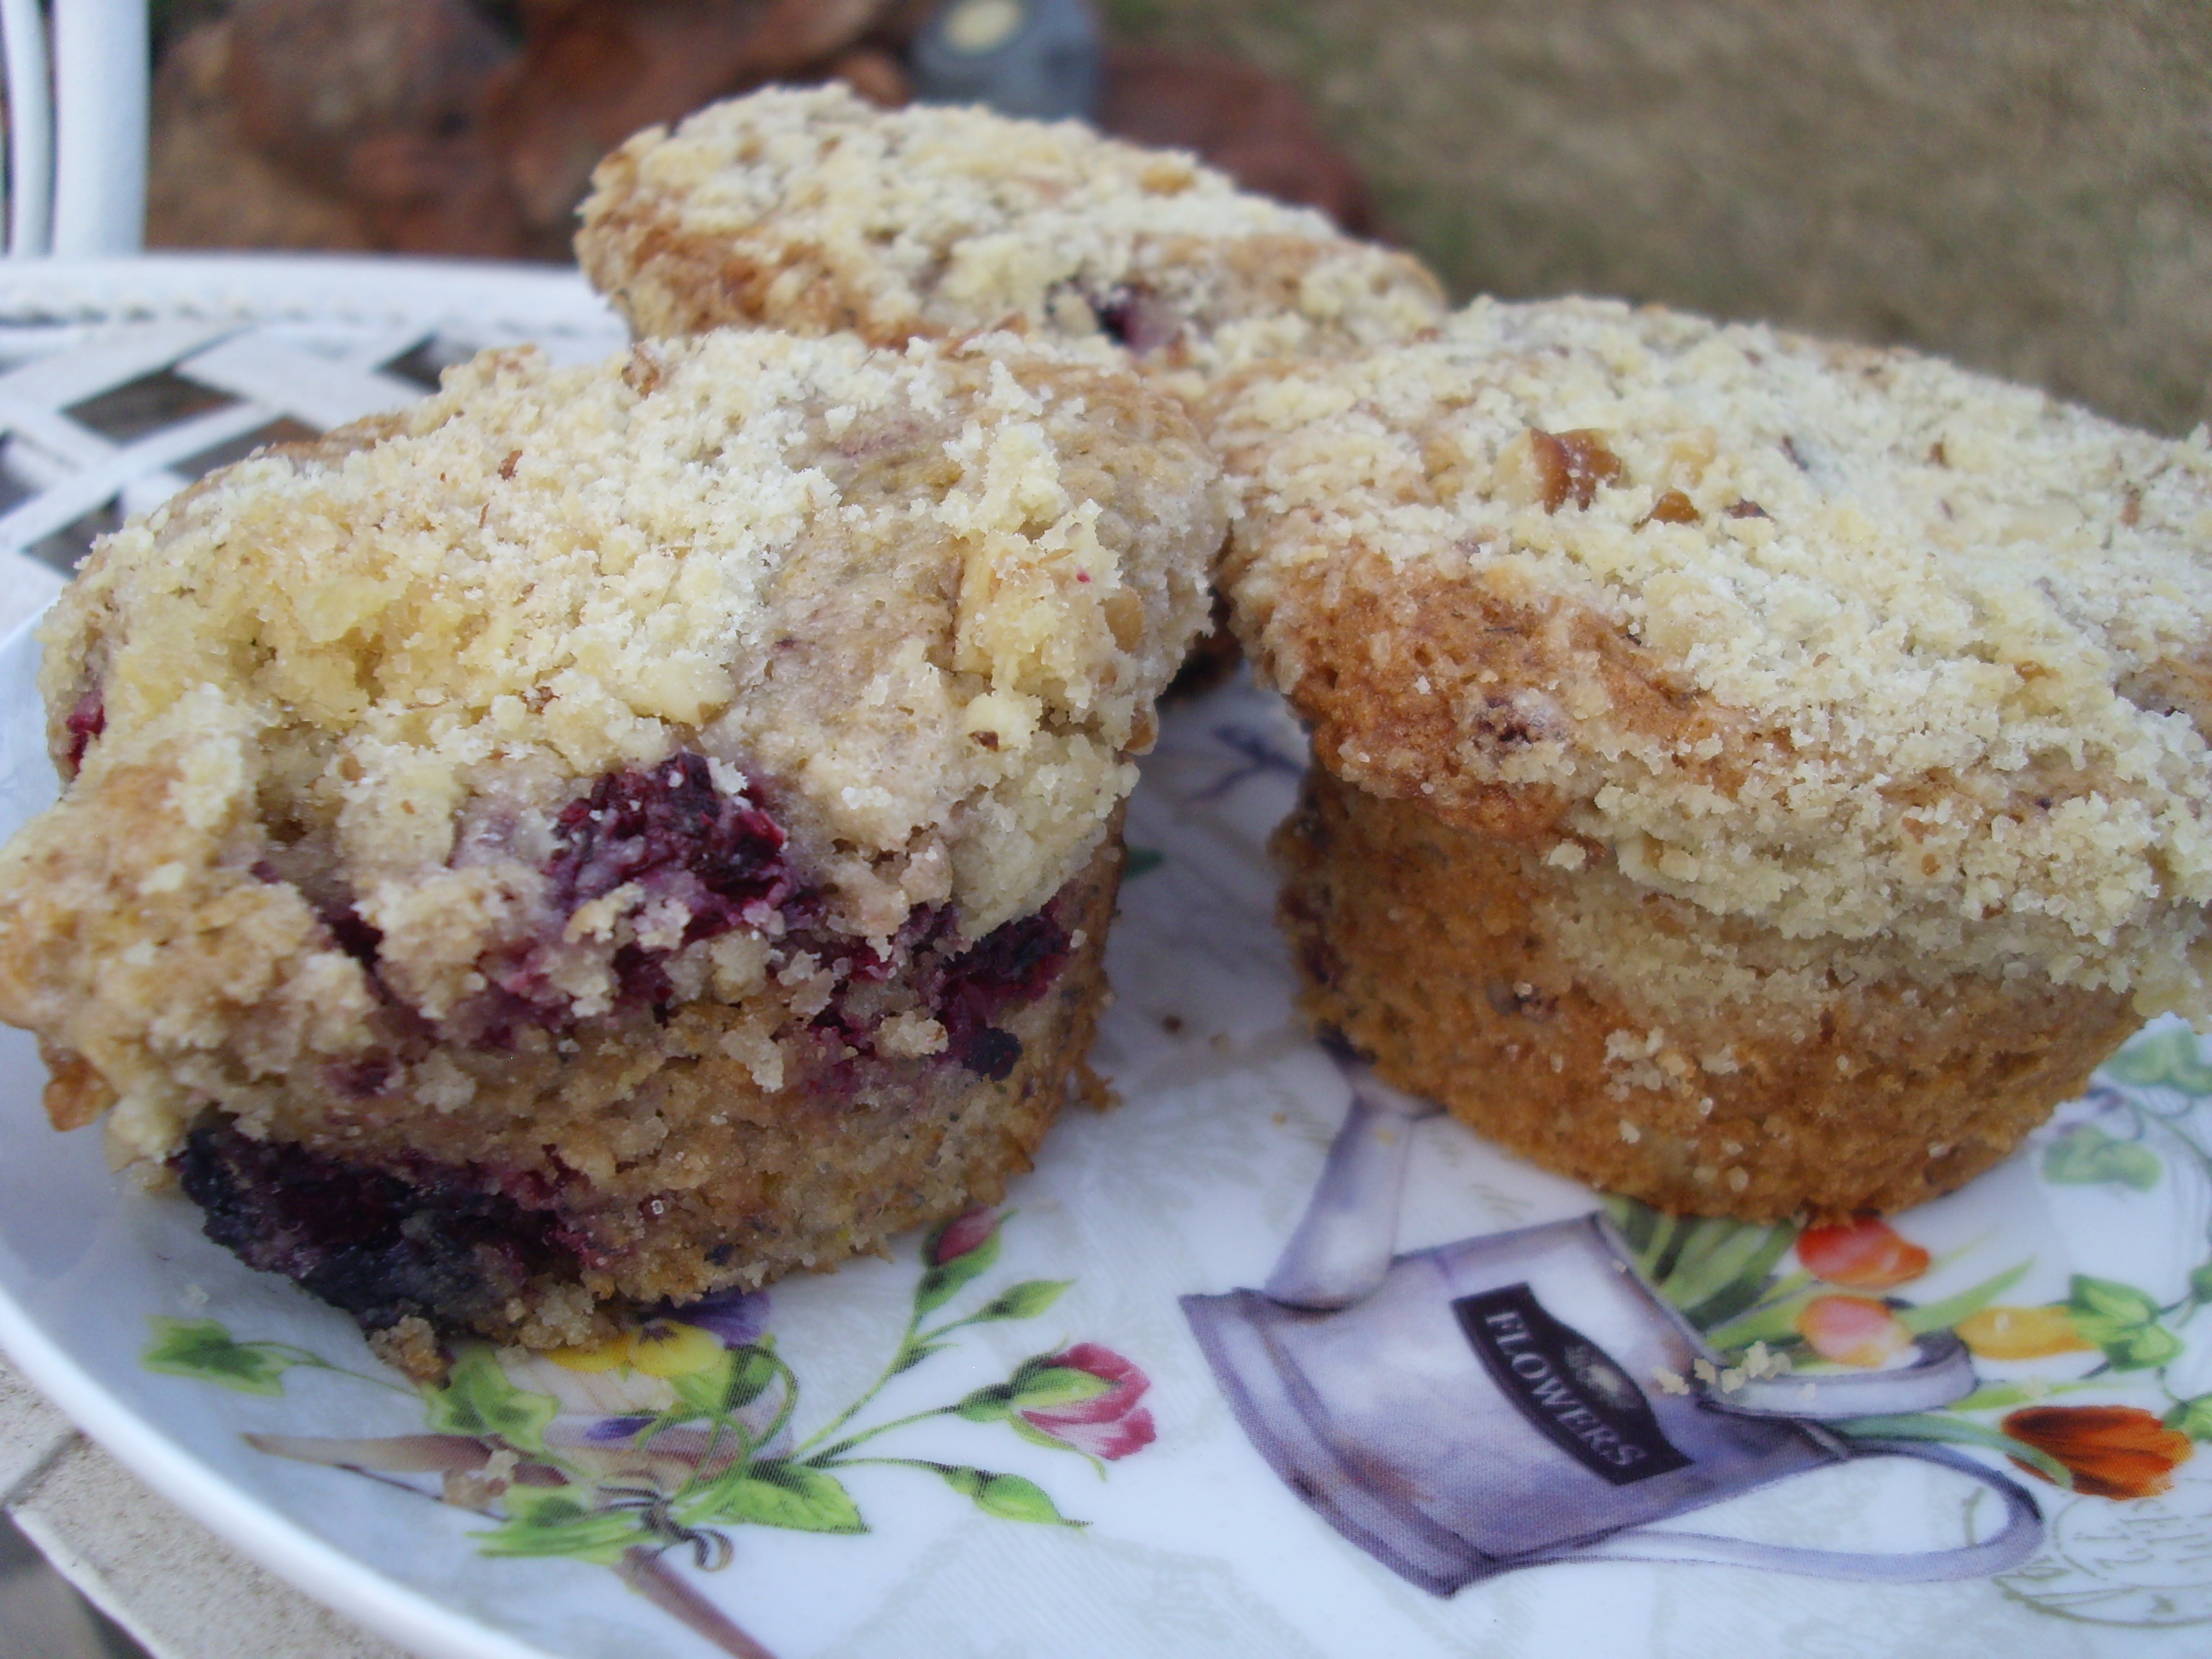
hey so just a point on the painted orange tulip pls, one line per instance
(2112, 1451)
(1852, 1330)
(1865, 1254)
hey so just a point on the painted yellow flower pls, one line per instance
(665, 1347)
(660, 1347)
(607, 1356)
(2021, 1332)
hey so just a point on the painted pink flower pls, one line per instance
(1853, 1330)
(1105, 1421)
(960, 1235)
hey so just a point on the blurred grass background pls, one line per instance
(2024, 184)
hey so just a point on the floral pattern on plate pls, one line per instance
(1191, 1547)
(662, 1439)
(2098, 1395)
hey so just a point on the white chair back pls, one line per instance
(77, 126)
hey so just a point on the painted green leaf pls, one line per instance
(554, 1521)
(1697, 1242)
(1667, 1235)
(706, 1391)
(1634, 1220)
(2192, 1417)
(779, 1494)
(1772, 1319)
(1958, 1431)
(2085, 1156)
(734, 1378)
(203, 1349)
(2142, 1349)
(943, 1281)
(1023, 1301)
(479, 1400)
(1732, 1275)
(2122, 1321)
(1142, 862)
(2167, 1057)
(1942, 1316)
(2110, 1301)
(1045, 1386)
(751, 1370)
(914, 1353)
(2200, 1283)
(987, 1405)
(1007, 1496)
(2003, 1397)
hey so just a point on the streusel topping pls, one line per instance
(812, 209)
(1851, 643)
(560, 691)
(935, 593)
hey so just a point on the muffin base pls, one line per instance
(469, 1231)
(1426, 946)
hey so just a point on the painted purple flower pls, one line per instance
(1103, 1418)
(615, 1430)
(736, 1317)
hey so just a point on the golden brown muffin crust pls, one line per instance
(812, 210)
(1842, 642)
(1450, 957)
(653, 1142)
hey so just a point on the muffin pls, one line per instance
(609, 834)
(815, 211)
(1758, 776)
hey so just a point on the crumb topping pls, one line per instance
(812, 209)
(1849, 643)
(575, 688)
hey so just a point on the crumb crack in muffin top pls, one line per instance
(813, 210)
(1849, 642)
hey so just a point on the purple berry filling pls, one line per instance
(87, 720)
(436, 1242)
(1012, 965)
(671, 831)
(1137, 318)
(357, 936)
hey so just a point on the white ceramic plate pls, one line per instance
(1061, 1381)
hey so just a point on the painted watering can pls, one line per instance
(1491, 1404)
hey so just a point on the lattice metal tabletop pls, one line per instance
(120, 382)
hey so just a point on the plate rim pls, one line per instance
(332, 1578)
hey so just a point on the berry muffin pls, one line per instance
(816, 211)
(608, 834)
(1758, 776)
